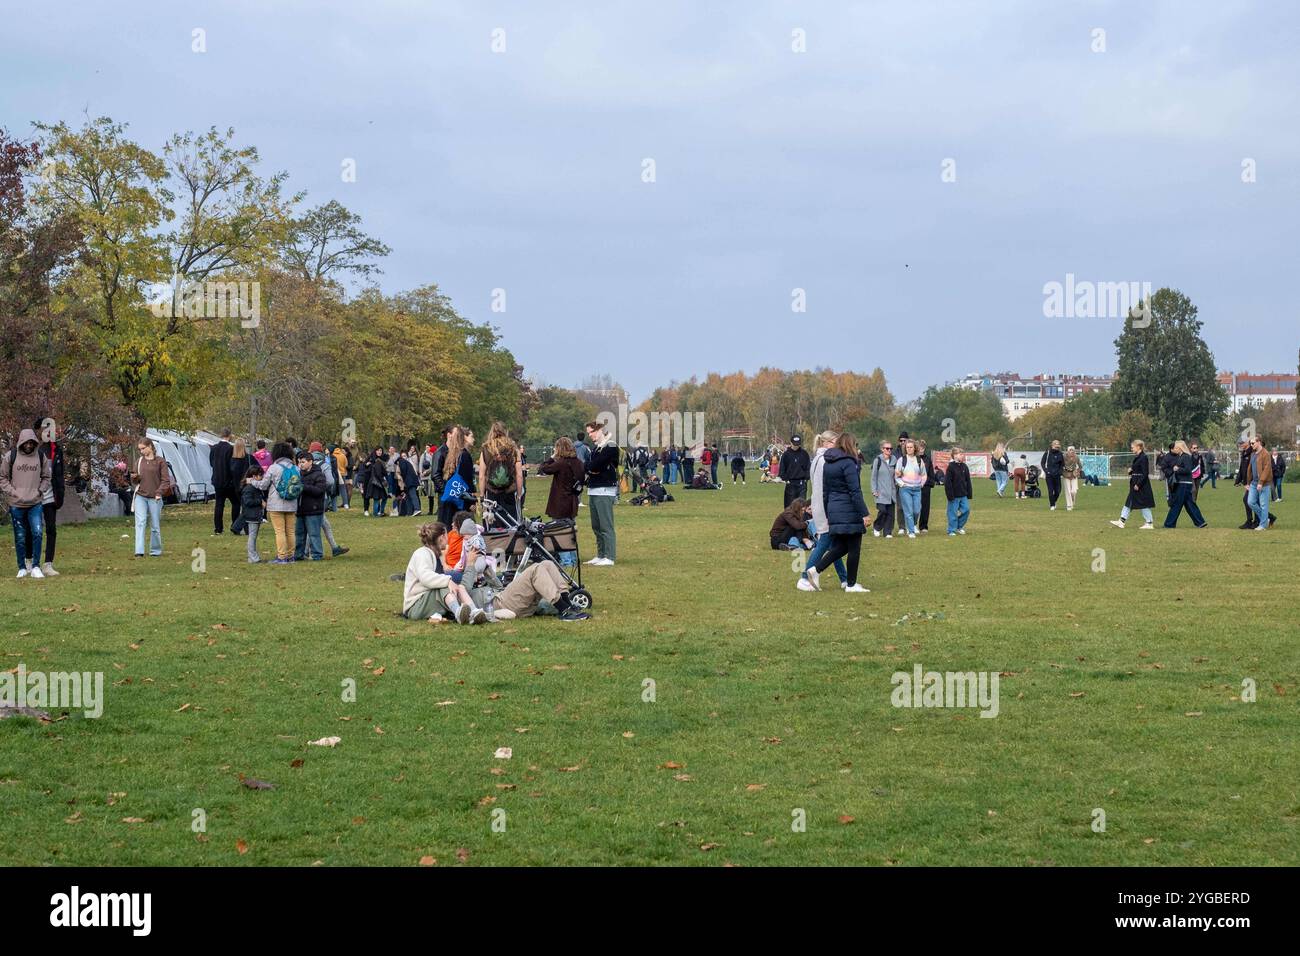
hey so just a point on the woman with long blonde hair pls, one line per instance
(501, 472)
(1001, 467)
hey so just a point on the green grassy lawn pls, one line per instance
(1121, 692)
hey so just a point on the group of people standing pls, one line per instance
(830, 523)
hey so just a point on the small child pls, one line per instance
(252, 508)
(455, 541)
(485, 564)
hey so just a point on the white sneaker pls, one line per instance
(803, 584)
(813, 578)
(875, 534)
(888, 536)
(594, 561)
(48, 568)
(37, 573)
(911, 534)
(606, 562)
(844, 585)
(22, 572)
(1147, 527)
(1118, 523)
(1053, 508)
(952, 534)
(858, 589)
(961, 530)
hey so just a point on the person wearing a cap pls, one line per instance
(796, 467)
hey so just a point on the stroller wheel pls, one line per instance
(581, 599)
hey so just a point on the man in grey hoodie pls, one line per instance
(25, 475)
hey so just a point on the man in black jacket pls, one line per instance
(794, 470)
(957, 486)
(1279, 469)
(311, 509)
(1052, 462)
(1243, 478)
(226, 490)
(602, 491)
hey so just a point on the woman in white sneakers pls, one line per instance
(1139, 487)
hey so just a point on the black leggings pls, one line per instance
(843, 545)
(1053, 488)
(884, 522)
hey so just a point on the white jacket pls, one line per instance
(820, 524)
(422, 576)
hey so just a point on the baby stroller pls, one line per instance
(1031, 482)
(521, 543)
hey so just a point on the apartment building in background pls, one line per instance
(1019, 394)
(1245, 388)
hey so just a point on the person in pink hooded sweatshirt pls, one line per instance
(25, 475)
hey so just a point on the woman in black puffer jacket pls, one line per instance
(846, 511)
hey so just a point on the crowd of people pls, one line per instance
(295, 487)
(826, 514)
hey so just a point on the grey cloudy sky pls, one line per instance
(775, 170)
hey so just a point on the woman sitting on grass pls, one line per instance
(790, 529)
(430, 590)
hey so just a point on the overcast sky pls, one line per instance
(823, 170)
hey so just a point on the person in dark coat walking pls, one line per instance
(957, 486)
(567, 473)
(1052, 463)
(1139, 487)
(796, 466)
(1243, 479)
(1184, 465)
(847, 516)
(923, 525)
(226, 489)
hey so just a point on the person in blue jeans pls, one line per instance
(957, 486)
(1260, 486)
(819, 524)
(1180, 497)
(25, 476)
(1279, 469)
(311, 510)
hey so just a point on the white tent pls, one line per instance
(188, 458)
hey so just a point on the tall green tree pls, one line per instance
(970, 416)
(1166, 370)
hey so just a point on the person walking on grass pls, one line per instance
(153, 483)
(931, 479)
(252, 508)
(239, 462)
(1001, 468)
(819, 525)
(25, 477)
(1279, 469)
(283, 484)
(1183, 466)
(1259, 490)
(847, 517)
(1052, 462)
(884, 489)
(602, 487)
(219, 459)
(909, 475)
(959, 490)
(1140, 495)
(52, 500)
(1071, 469)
